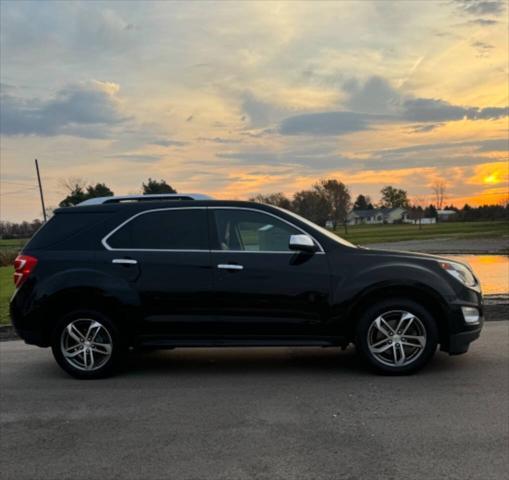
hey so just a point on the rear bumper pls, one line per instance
(32, 338)
(27, 326)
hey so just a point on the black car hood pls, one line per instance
(409, 255)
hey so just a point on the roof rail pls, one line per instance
(143, 198)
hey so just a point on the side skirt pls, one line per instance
(158, 341)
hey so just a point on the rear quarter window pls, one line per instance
(66, 228)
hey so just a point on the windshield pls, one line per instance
(322, 230)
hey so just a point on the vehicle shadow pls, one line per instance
(233, 361)
(262, 361)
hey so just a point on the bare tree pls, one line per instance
(312, 205)
(77, 191)
(337, 195)
(417, 210)
(439, 188)
(278, 199)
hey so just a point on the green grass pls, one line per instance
(366, 234)
(8, 250)
(6, 290)
(12, 244)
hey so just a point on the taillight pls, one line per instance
(23, 267)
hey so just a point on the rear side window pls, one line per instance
(183, 229)
(66, 229)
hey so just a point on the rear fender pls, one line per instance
(86, 288)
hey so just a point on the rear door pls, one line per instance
(167, 251)
(261, 287)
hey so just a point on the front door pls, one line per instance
(261, 287)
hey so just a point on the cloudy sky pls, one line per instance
(234, 99)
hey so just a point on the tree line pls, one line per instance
(327, 203)
(78, 191)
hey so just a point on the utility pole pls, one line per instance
(40, 189)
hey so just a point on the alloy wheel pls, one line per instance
(396, 338)
(86, 344)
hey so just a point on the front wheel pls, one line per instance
(397, 336)
(87, 344)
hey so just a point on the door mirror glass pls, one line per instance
(302, 243)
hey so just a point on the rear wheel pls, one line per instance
(397, 336)
(87, 344)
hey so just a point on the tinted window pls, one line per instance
(253, 231)
(184, 229)
(73, 228)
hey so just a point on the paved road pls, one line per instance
(257, 413)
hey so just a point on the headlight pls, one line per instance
(461, 273)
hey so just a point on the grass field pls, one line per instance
(6, 290)
(8, 250)
(366, 234)
(14, 244)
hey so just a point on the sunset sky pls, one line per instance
(233, 99)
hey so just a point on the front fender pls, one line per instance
(397, 274)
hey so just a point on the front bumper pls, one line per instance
(460, 342)
(462, 332)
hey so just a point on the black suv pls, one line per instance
(120, 273)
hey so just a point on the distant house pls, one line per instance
(423, 220)
(378, 215)
(444, 215)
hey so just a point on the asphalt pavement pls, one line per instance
(282, 413)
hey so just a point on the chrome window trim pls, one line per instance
(104, 242)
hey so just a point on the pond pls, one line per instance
(492, 271)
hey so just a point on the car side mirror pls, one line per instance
(302, 243)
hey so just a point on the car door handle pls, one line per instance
(230, 266)
(125, 261)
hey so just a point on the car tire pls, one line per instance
(396, 336)
(87, 344)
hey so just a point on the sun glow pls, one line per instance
(492, 179)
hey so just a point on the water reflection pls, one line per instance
(492, 271)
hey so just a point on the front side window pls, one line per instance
(245, 230)
(184, 229)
